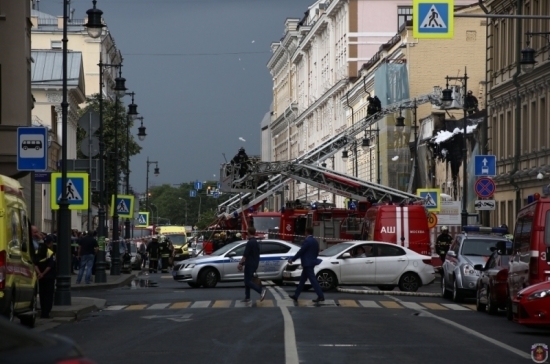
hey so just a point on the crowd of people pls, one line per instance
(223, 238)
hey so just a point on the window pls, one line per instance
(404, 14)
(56, 44)
(273, 248)
(389, 251)
(240, 250)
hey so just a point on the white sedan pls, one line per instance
(385, 265)
(222, 265)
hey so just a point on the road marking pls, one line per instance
(180, 305)
(166, 277)
(116, 307)
(369, 304)
(291, 351)
(158, 306)
(471, 307)
(413, 305)
(454, 306)
(348, 303)
(434, 306)
(135, 307)
(243, 304)
(201, 304)
(265, 303)
(222, 304)
(390, 304)
(473, 332)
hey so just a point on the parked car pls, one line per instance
(471, 247)
(491, 285)
(222, 265)
(531, 306)
(21, 345)
(385, 265)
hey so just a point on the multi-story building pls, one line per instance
(518, 105)
(315, 64)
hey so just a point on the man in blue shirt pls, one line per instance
(308, 255)
(251, 261)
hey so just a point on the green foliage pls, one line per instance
(174, 203)
(115, 121)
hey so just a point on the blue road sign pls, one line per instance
(124, 205)
(431, 197)
(433, 18)
(215, 194)
(43, 177)
(485, 165)
(198, 185)
(32, 149)
(192, 193)
(143, 219)
(485, 187)
(76, 190)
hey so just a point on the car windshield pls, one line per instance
(478, 247)
(335, 249)
(224, 249)
(177, 239)
(266, 223)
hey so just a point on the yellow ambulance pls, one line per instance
(18, 281)
(178, 237)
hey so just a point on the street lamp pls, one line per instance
(156, 208)
(345, 156)
(130, 117)
(157, 172)
(447, 100)
(366, 144)
(184, 200)
(528, 54)
(141, 130)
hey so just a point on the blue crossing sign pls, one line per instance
(124, 205)
(76, 190)
(485, 165)
(32, 149)
(192, 193)
(143, 219)
(433, 19)
(431, 197)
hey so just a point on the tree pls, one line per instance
(115, 119)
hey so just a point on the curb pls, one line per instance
(388, 293)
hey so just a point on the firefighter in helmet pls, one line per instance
(164, 253)
(153, 252)
(443, 243)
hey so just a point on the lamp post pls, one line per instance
(345, 156)
(130, 117)
(528, 54)
(366, 143)
(157, 209)
(156, 172)
(447, 100)
(184, 200)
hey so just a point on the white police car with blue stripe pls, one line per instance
(222, 265)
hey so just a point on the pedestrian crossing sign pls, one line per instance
(124, 205)
(433, 19)
(143, 219)
(431, 197)
(76, 190)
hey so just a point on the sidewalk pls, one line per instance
(81, 306)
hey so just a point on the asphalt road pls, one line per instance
(158, 320)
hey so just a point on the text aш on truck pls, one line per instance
(402, 225)
(529, 262)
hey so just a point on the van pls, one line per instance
(18, 281)
(178, 237)
(529, 264)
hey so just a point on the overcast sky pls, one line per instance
(198, 68)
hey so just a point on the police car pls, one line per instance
(222, 265)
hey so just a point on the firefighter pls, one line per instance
(471, 103)
(46, 273)
(216, 242)
(164, 253)
(443, 243)
(153, 252)
(241, 160)
(375, 105)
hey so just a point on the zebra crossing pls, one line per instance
(343, 303)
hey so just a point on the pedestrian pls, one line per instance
(443, 243)
(45, 270)
(143, 253)
(308, 256)
(250, 261)
(153, 252)
(87, 248)
(37, 237)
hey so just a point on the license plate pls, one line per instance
(286, 274)
(514, 308)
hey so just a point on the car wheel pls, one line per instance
(445, 292)
(480, 307)
(491, 306)
(30, 318)
(193, 284)
(209, 278)
(327, 280)
(385, 287)
(457, 297)
(409, 282)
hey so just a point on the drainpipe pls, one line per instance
(517, 123)
(356, 166)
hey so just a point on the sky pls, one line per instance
(198, 69)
